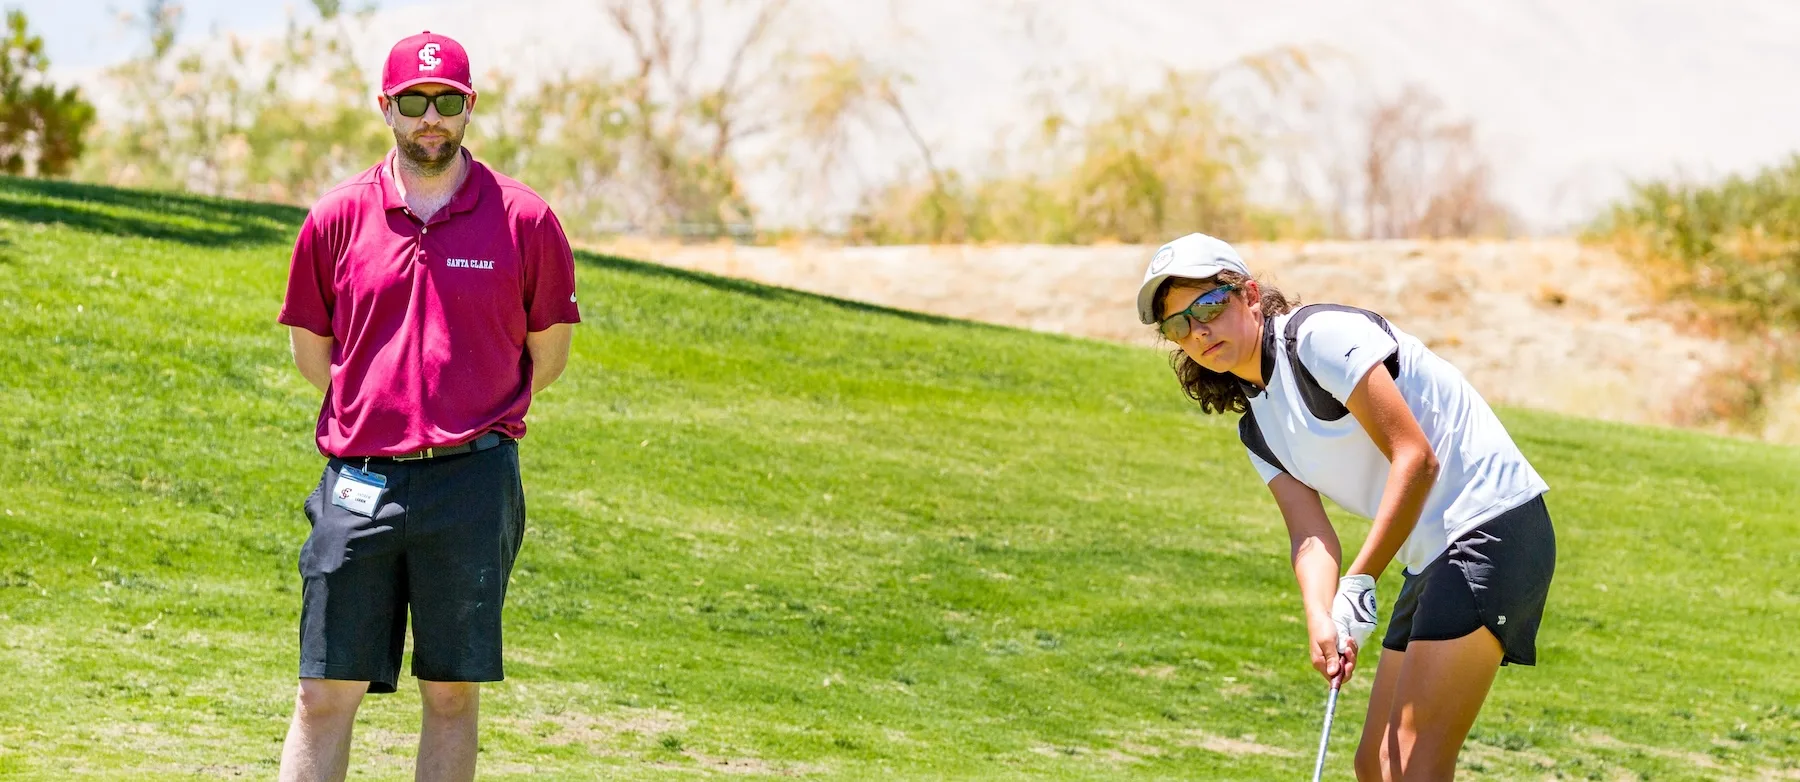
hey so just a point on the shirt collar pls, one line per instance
(467, 196)
(390, 190)
(1268, 361)
(472, 185)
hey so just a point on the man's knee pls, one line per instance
(328, 698)
(450, 699)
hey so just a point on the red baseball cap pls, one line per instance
(426, 57)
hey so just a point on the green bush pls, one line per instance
(41, 127)
(1732, 247)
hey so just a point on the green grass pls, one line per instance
(782, 533)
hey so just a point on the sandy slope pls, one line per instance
(1546, 324)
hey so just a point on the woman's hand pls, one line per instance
(1336, 668)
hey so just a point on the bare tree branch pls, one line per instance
(728, 95)
(765, 19)
(697, 17)
(891, 97)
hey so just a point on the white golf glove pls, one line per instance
(1353, 611)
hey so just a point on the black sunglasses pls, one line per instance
(413, 104)
(1176, 327)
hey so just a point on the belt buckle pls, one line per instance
(415, 456)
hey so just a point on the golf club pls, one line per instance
(1325, 735)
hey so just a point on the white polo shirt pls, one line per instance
(1481, 471)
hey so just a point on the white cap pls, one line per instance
(1195, 256)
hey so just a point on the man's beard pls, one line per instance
(422, 159)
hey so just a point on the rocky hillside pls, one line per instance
(1547, 324)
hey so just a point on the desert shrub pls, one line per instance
(1732, 247)
(1732, 250)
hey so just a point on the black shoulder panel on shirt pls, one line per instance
(1252, 436)
(1320, 402)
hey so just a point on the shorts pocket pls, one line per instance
(312, 505)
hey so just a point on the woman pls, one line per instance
(1337, 402)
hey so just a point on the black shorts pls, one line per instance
(442, 542)
(1495, 576)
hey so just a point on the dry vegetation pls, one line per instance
(663, 143)
(709, 93)
(1731, 251)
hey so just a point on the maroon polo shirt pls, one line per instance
(429, 319)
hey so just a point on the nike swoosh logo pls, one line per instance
(1352, 350)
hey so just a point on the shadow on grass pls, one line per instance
(218, 222)
(177, 217)
(765, 292)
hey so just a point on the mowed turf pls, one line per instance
(778, 534)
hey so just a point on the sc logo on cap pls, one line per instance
(428, 59)
(1163, 258)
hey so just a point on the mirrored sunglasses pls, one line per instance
(1210, 305)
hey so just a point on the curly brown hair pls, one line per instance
(1215, 392)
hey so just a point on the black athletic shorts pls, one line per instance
(441, 543)
(1495, 576)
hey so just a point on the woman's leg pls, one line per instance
(1381, 702)
(1441, 686)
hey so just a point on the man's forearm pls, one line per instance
(312, 356)
(319, 379)
(549, 352)
(543, 373)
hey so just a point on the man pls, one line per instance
(428, 298)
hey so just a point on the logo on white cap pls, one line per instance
(428, 59)
(1163, 258)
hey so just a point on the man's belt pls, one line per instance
(482, 443)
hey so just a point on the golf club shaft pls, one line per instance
(1325, 735)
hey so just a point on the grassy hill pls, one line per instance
(773, 533)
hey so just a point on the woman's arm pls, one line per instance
(1313, 548)
(1413, 467)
